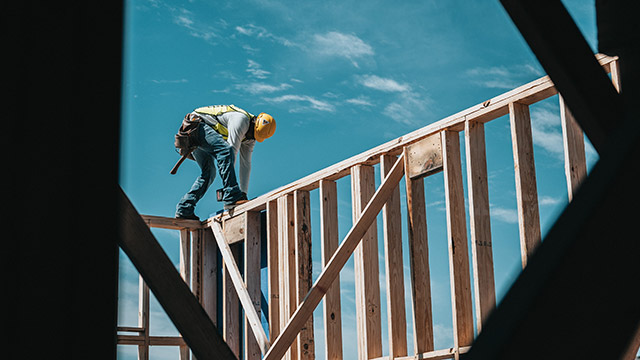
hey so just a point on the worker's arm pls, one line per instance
(246, 150)
(237, 125)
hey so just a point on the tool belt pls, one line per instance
(187, 139)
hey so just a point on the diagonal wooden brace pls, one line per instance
(182, 307)
(337, 262)
(241, 288)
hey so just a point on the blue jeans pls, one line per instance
(212, 147)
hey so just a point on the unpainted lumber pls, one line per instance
(336, 263)
(230, 301)
(480, 223)
(394, 267)
(238, 291)
(419, 263)
(209, 273)
(303, 265)
(525, 176)
(488, 110)
(457, 238)
(252, 281)
(273, 268)
(143, 318)
(157, 270)
(575, 164)
(366, 268)
(329, 243)
(286, 261)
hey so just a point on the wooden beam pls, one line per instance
(230, 302)
(146, 254)
(185, 256)
(419, 262)
(525, 175)
(457, 237)
(366, 268)
(273, 267)
(485, 111)
(575, 164)
(394, 266)
(252, 281)
(424, 157)
(432, 355)
(143, 318)
(162, 222)
(568, 59)
(233, 228)
(286, 261)
(304, 267)
(209, 273)
(480, 224)
(575, 288)
(337, 262)
(240, 287)
(197, 267)
(329, 241)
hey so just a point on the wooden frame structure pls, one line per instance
(292, 296)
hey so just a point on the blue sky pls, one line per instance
(339, 77)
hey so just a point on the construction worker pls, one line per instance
(224, 131)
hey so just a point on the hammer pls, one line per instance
(177, 165)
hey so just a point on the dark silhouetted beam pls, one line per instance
(567, 58)
(182, 307)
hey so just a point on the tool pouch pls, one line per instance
(187, 138)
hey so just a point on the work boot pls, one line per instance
(188, 217)
(241, 200)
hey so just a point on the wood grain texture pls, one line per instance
(525, 175)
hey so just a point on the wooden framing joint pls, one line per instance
(424, 157)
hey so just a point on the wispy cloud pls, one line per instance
(550, 200)
(307, 101)
(408, 108)
(502, 77)
(509, 216)
(262, 88)
(260, 32)
(198, 29)
(360, 101)
(546, 130)
(256, 70)
(164, 81)
(383, 84)
(336, 44)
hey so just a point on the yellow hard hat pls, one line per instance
(265, 127)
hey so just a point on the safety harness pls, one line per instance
(217, 110)
(187, 139)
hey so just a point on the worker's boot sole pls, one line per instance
(231, 206)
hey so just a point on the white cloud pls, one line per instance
(178, 81)
(383, 84)
(409, 109)
(502, 77)
(256, 70)
(312, 102)
(261, 88)
(360, 101)
(261, 33)
(509, 216)
(186, 19)
(550, 201)
(546, 130)
(338, 44)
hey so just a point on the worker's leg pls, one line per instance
(225, 159)
(187, 204)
